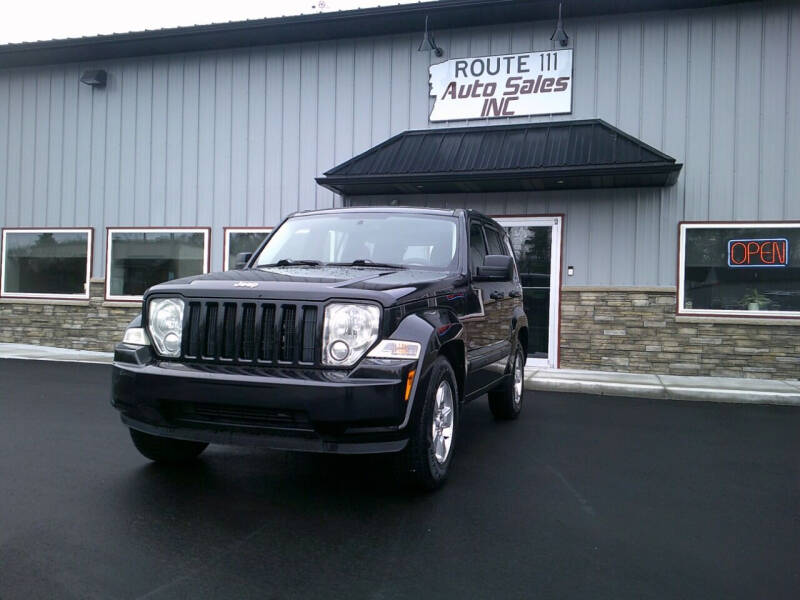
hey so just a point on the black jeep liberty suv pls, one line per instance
(348, 330)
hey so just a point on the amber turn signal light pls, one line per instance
(409, 383)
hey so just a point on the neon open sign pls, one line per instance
(772, 252)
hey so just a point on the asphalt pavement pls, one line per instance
(582, 497)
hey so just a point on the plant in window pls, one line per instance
(754, 300)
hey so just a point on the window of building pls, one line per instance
(240, 241)
(46, 263)
(746, 269)
(140, 258)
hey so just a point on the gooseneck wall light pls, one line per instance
(95, 78)
(428, 44)
(559, 35)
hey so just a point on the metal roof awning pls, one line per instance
(525, 156)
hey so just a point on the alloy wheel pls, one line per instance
(442, 427)
(519, 377)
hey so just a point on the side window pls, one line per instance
(495, 243)
(477, 247)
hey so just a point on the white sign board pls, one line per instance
(511, 85)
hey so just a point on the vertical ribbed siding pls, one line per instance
(236, 137)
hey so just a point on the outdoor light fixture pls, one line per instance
(428, 43)
(95, 78)
(559, 35)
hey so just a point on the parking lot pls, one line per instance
(583, 497)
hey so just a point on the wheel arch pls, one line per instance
(522, 339)
(456, 354)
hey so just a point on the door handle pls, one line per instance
(514, 294)
(496, 295)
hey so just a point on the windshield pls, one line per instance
(362, 239)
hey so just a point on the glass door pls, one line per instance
(537, 246)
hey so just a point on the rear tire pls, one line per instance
(506, 402)
(427, 457)
(166, 450)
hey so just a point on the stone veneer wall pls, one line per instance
(636, 330)
(80, 325)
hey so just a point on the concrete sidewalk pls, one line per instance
(672, 387)
(707, 389)
(33, 352)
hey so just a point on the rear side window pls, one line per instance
(495, 243)
(477, 247)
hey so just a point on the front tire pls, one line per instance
(426, 460)
(166, 450)
(506, 402)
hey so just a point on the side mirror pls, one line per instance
(242, 259)
(496, 267)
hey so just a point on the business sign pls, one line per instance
(765, 252)
(511, 85)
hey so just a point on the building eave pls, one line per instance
(382, 20)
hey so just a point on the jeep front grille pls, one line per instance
(247, 332)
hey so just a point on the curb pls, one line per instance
(34, 352)
(85, 361)
(657, 390)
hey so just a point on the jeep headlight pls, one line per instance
(350, 329)
(165, 320)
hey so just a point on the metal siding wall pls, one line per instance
(308, 141)
(345, 98)
(235, 138)
(791, 196)
(158, 144)
(5, 108)
(774, 77)
(326, 122)
(256, 132)
(223, 135)
(274, 208)
(14, 152)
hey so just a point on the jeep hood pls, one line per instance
(314, 283)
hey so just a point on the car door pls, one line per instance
(488, 340)
(506, 294)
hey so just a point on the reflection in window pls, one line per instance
(740, 268)
(46, 262)
(532, 246)
(242, 241)
(139, 259)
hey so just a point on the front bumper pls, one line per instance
(315, 410)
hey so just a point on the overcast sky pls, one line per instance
(32, 20)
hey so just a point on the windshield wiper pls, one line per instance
(288, 262)
(366, 262)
